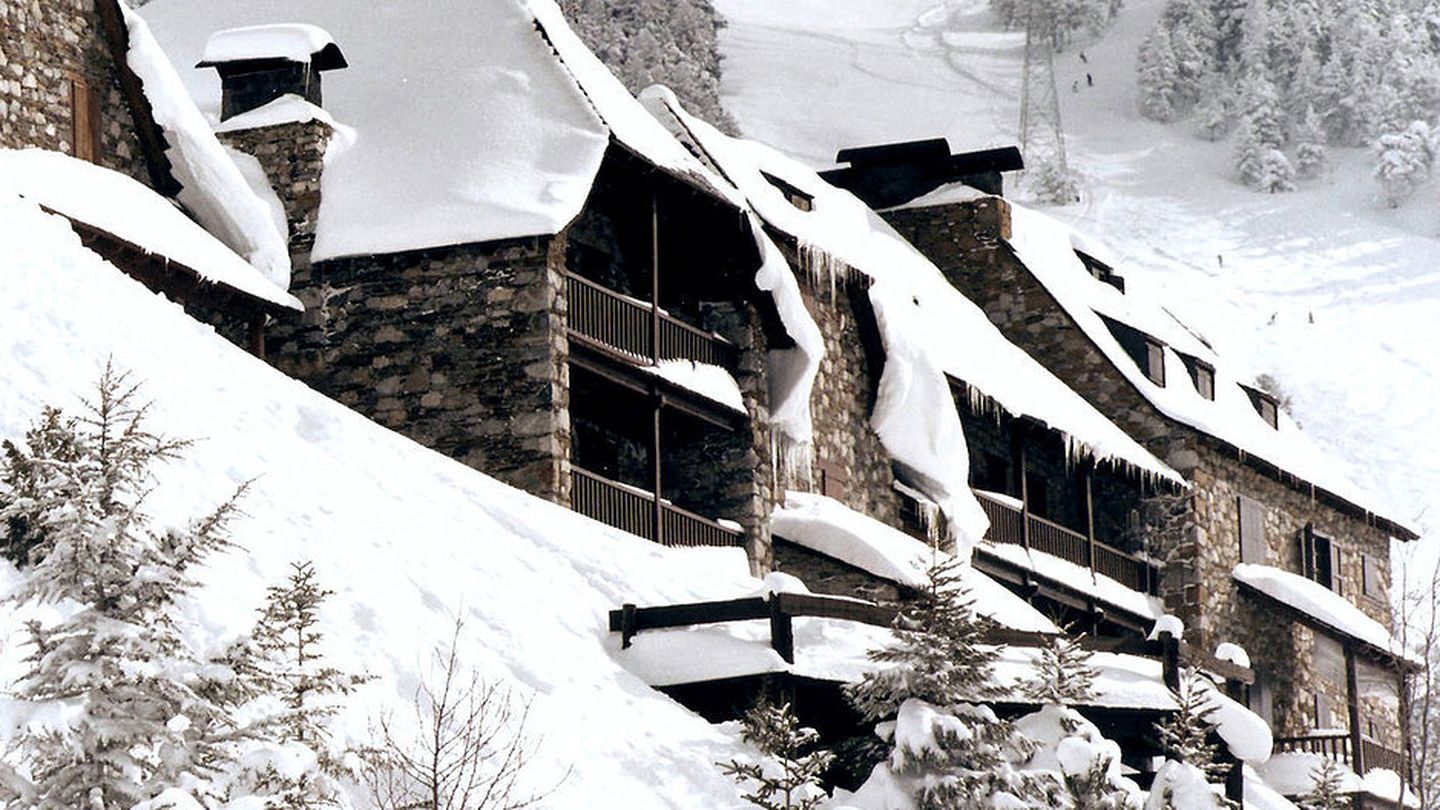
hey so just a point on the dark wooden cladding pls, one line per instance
(629, 326)
(633, 511)
(1010, 525)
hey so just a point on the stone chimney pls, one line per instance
(271, 108)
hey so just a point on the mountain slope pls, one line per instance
(406, 538)
(1250, 271)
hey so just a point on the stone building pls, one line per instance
(79, 135)
(1273, 546)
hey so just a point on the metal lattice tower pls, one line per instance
(1041, 137)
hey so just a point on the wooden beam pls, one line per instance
(658, 509)
(152, 138)
(654, 277)
(1352, 703)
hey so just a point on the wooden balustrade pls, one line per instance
(633, 510)
(1009, 525)
(1339, 747)
(1375, 755)
(628, 325)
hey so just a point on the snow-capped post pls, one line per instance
(271, 108)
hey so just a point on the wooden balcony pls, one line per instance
(633, 510)
(1009, 524)
(1340, 746)
(630, 326)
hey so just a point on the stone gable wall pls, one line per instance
(43, 43)
(462, 349)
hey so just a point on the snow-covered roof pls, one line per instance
(1077, 577)
(296, 42)
(122, 207)
(826, 526)
(1329, 609)
(287, 109)
(475, 120)
(712, 382)
(928, 328)
(212, 187)
(1047, 248)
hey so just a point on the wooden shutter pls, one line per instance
(1307, 552)
(1252, 531)
(1337, 577)
(84, 121)
(832, 479)
(1323, 717)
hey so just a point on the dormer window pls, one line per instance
(1147, 352)
(1202, 374)
(1265, 405)
(1101, 271)
(797, 198)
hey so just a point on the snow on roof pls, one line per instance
(825, 525)
(458, 139)
(1078, 577)
(132, 211)
(927, 326)
(294, 41)
(1259, 795)
(943, 195)
(1320, 603)
(212, 188)
(287, 109)
(1047, 248)
(712, 382)
(408, 539)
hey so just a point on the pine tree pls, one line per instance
(789, 776)
(1158, 76)
(1185, 734)
(138, 718)
(951, 752)
(1403, 160)
(1063, 674)
(1325, 791)
(1310, 153)
(1214, 113)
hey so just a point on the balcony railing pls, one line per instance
(1009, 524)
(1340, 747)
(629, 326)
(633, 510)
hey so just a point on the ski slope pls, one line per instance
(1324, 289)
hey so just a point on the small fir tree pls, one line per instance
(1158, 75)
(1063, 674)
(1325, 791)
(140, 719)
(1185, 734)
(788, 778)
(1403, 161)
(1310, 152)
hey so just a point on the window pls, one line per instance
(1370, 577)
(1147, 352)
(797, 198)
(84, 121)
(1252, 531)
(1264, 405)
(1319, 558)
(1101, 271)
(1202, 374)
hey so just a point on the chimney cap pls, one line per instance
(285, 42)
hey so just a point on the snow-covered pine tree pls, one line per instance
(1158, 76)
(1214, 113)
(1048, 181)
(1325, 791)
(1258, 159)
(1310, 152)
(788, 777)
(1185, 734)
(138, 720)
(1403, 161)
(949, 751)
(1063, 674)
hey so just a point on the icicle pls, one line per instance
(792, 461)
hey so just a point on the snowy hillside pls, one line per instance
(406, 538)
(1325, 289)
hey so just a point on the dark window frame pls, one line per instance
(1202, 375)
(1147, 352)
(1101, 271)
(1319, 558)
(796, 197)
(1265, 405)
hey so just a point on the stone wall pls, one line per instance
(293, 157)
(827, 575)
(44, 44)
(462, 349)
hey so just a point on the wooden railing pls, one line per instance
(628, 325)
(1009, 525)
(1340, 747)
(781, 608)
(633, 510)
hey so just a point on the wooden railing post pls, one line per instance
(627, 624)
(654, 278)
(1352, 701)
(1089, 517)
(1020, 471)
(782, 630)
(657, 512)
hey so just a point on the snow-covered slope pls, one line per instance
(407, 539)
(1324, 289)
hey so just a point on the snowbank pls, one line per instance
(126, 208)
(212, 187)
(406, 538)
(831, 528)
(1322, 604)
(454, 143)
(1047, 248)
(928, 329)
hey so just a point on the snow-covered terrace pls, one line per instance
(114, 206)
(1048, 249)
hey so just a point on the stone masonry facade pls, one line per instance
(293, 157)
(966, 241)
(45, 47)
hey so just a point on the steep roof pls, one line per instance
(927, 313)
(1048, 249)
(475, 120)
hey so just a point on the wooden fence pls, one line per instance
(629, 326)
(1017, 527)
(633, 510)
